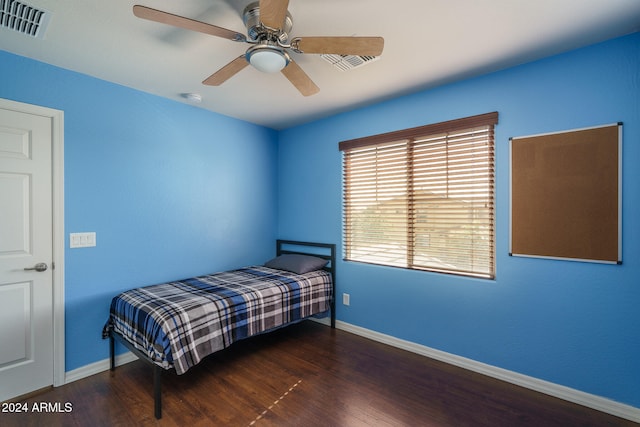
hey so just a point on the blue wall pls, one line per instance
(572, 323)
(171, 191)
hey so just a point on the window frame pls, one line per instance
(409, 136)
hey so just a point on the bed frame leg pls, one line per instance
(112, 351)
(333, 316)
(157, 391)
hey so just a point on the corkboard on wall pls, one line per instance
(565, 194)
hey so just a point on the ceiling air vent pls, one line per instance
(348, 62)
(23, 18)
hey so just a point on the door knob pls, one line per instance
(41, 266)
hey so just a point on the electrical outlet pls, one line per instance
(346, 299)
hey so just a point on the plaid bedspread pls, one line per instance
(177, 324)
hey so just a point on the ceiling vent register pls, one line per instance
(348, 62)
(23, 18)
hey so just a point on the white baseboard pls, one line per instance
(569, 394)
(97, 367)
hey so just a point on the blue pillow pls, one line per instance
(297, 263)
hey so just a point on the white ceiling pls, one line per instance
(427, 43)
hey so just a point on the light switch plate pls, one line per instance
(82, 240)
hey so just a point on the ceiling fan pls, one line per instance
(268, 25)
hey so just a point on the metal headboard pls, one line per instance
(321, 250)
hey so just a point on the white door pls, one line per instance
(26, 292)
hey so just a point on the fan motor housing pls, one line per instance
(257, 31)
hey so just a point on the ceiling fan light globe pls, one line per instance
(268, 60)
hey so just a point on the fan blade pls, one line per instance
(186, 23)
(226, 72)
(300, 79)
(364, 46)
(273, 13)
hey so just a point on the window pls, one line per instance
(422, 198)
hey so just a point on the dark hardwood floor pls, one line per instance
(305, 375)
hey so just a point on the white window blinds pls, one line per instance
(422, 198)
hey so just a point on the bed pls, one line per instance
(174, 325)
